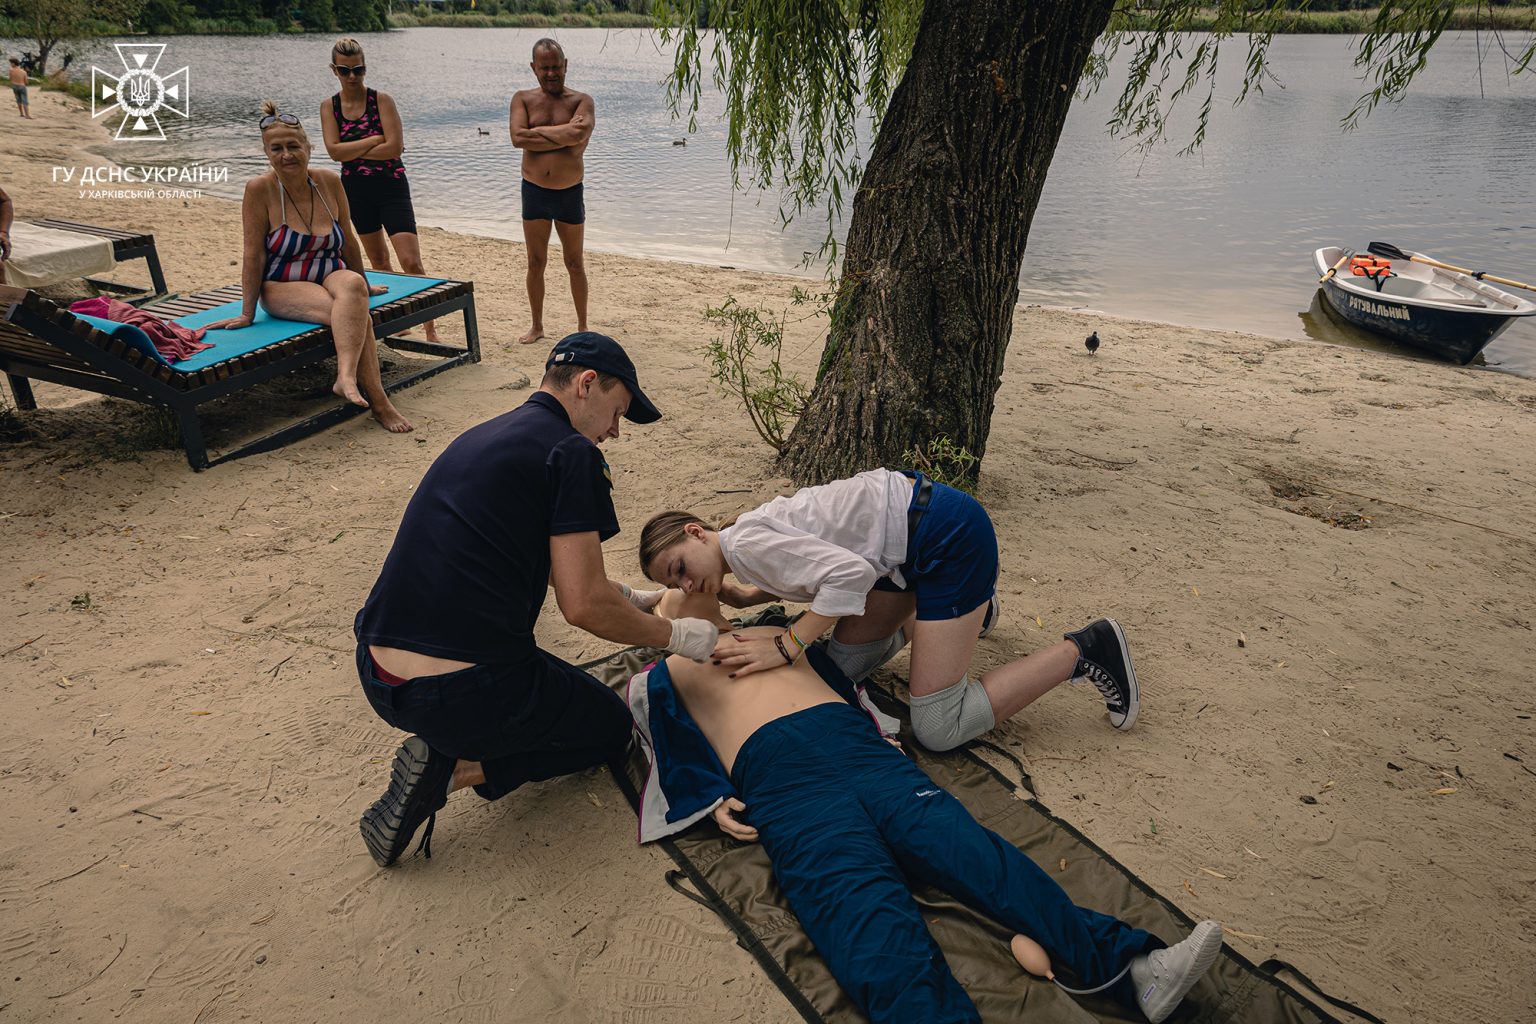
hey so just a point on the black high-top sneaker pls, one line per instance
(418, 789)
(1105, 661)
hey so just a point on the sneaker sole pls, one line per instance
(380, 824)
(1133, 695)
(1207, 949)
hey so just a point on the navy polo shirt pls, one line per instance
(470, 564)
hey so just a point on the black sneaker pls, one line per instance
(1105, 661)
(418, 788)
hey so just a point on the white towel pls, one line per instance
(44, 256)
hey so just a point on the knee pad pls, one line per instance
(857, 661)
(954, 715)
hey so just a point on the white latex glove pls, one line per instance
(645, 600)
(693, 638)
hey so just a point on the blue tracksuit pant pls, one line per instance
(842, 814)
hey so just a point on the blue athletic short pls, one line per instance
(951, 558)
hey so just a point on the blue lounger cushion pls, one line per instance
(266, 330)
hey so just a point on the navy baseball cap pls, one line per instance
(601, 353)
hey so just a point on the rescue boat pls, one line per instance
(1437, 311)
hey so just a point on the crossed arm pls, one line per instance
(546, 138)
(375, 147)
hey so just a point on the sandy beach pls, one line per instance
(1324, 559)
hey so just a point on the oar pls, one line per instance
(1335, 268)
(1392, 252)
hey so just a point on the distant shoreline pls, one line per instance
(1464, 19)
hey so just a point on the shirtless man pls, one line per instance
(19, 89)
(846, 819)
(552, 125)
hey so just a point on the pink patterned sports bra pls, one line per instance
(293, 255)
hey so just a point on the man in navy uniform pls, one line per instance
(445, 641)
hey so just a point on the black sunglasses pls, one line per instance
(346, 72)
(271, 119)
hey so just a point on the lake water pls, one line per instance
(1220, 239)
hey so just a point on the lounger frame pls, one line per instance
(126, 245)
(42, 341)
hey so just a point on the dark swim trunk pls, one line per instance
(562, 204)
(380, 201)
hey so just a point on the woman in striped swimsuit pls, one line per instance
(363, 134)
(303, 261)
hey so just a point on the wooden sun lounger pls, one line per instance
(126, 245)
(41, 340)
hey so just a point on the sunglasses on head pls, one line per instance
(271, 119)
(346, 72)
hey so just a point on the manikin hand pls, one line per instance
(725, 817)
(693, 638)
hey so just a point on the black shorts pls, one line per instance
(380, 201)
(563, 204)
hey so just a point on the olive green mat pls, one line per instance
(736, 881)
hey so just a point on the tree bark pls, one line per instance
(931, 266)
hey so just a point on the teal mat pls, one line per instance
(268, 330)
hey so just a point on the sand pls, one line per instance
(1322, 556)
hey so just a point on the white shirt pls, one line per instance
(826, 545)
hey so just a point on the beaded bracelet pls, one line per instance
(778, 641)
(795, 638)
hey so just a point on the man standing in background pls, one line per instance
(552, 125)
(19, 89)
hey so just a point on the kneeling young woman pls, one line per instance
(884, 558)
(303, 262)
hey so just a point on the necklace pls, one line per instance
(309, 221)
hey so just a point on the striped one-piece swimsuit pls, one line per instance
(294, 256)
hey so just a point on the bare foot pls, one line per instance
(348, 389)
(431, 326)
(534, 334)
(390, 419)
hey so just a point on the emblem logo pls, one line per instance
(141, 92)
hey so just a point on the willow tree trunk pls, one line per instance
(930, 271)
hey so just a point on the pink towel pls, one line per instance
(172, 341)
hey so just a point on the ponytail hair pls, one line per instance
(269, 109)
(346, 46)
(663, 530)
